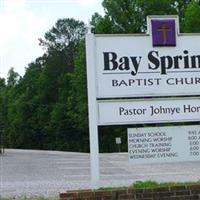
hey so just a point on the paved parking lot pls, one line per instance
(46, 173)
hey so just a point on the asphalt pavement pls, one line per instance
(29, 173)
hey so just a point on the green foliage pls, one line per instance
(154, 184)
(39, 107)
(3, 110)
(149, 184)
(77, 99)
(65, 32)
(192, 18)
(129, 16)
(13, 77)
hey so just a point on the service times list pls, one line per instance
(194, 142)
(164, 144)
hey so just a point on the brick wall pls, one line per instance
(191, 192)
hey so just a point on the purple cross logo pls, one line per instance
(163, 32)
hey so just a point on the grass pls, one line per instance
(154, 184)
(150, 184)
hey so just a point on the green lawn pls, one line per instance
(151, 184)
(154, 184)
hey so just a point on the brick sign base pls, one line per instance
(191, 192)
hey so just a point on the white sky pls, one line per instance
(22, 22)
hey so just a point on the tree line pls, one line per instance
(47, 107)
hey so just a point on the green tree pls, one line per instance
(63, 43)
(192, 17)
(2, 113)
(129, 16)
(13, 77)
(38, 102)
(65, 32)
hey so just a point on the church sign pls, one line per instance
(145, 79)
(160, 63)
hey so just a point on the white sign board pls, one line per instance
(164, 144)
(128, 66)
(160, 63)
(148, 111)
(118, 140)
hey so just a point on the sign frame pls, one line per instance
(94, 98)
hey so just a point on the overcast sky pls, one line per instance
(22, 22)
